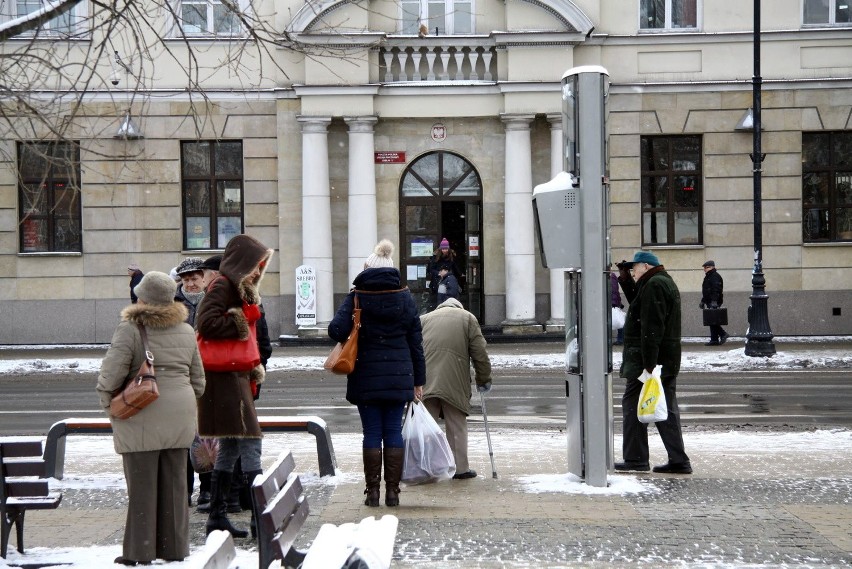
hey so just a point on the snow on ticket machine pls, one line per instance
(572, 224)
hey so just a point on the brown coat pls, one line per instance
(227, 407)
(169, 422)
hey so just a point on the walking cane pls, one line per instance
(487, 434)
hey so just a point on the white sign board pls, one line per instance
(306, 296)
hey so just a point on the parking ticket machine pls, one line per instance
(571, 214)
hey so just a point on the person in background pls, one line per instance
(651, 337)
(153, 443)
(616, 303)
(203, 452)
(390, 370)
(712, 297)
(452, 339)
(448, 286)
(444, 257)
(135, 274)
(231, 306)
(191, 290)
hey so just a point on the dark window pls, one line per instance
(671, 190)
(826, 186)
(826, 12)
(212, 177)
(49, 197)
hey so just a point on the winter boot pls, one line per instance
(220, 486)
(249, 477)
(393, 472)
(204, 492)
(373, 475)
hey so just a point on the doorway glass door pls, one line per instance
(441, 197)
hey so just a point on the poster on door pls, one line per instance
(473, 245)
(306, 296)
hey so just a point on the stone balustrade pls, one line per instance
(433, 59)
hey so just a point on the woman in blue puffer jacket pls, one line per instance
(390, 370)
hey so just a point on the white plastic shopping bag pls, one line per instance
(652, 401)
(618, 318)
(428, 457)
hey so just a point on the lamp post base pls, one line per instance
(759, 335)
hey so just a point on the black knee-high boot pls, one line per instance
(220, 485)
(250, 476)
(372, 475)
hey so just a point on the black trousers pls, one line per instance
(634, 446)
(716, 332)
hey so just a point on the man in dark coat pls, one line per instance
(711, 297)
(651, 337)
(135, 274)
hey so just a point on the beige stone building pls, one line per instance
(415, 120)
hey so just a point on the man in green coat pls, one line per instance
(651, 338)
(451, 340)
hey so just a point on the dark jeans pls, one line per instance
(634, 446)
(382, 423)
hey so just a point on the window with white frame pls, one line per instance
(64, 25)
(826, 12)
(437, 17)
(668, 14)
(210, 17)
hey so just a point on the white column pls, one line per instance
(363, 225)
(557, 277)
(519, 227)
(316, 212)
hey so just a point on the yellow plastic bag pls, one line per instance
(652, 401)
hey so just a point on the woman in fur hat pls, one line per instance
(154, 442)
(231, 306)
(390, 369)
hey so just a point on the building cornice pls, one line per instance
(687, 38)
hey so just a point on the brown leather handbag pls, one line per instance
(342, 358)
(139, 391)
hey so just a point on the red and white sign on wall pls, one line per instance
(389, 157)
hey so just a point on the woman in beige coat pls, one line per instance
(154, 442)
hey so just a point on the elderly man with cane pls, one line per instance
(451, 340)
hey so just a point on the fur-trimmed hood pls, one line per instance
(155, 315)
(242, 254)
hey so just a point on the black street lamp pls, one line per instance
(759, 335)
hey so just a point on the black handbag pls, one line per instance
(715, 316)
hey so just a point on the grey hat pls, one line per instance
(709, 264)
(156, 288)
(190, 265)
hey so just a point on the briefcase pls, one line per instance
(715, 316)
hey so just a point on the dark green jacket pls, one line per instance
(652, 327)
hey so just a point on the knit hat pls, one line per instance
(174, 275)
(212, 263)
(709, 264)
(646, 257)
(156, 288)
(133, 267)
(444, 244)
(382, 256)
(189, 265)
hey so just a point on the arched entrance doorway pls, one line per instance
(441, 196)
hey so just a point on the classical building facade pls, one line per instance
(417, 120)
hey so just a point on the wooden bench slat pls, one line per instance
(49, 502)
(23, 487)
(285, 538)
(283, 505)
(20, 447)
(24, 466)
